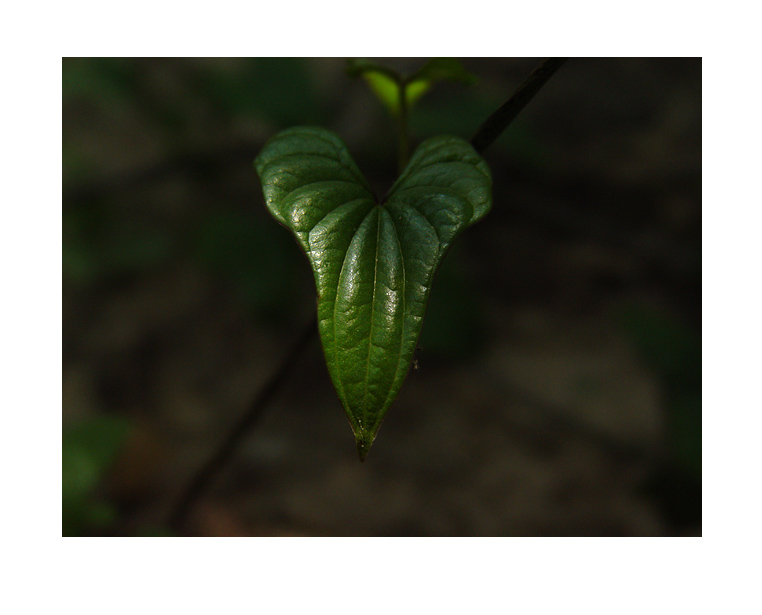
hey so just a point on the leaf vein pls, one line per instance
(404, 314)
(335, 305)
(372, 308)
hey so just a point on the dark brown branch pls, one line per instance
(496, 123)
(206, 474)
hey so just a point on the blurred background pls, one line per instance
(558, 382)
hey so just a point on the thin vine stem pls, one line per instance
(496, 123)
(204, 476)
(403, 134)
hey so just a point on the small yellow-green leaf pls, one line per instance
(442, 69)
(387, 90)
(386, 83)
(415, 90)
(373, 262)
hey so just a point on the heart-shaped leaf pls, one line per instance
(373, 262)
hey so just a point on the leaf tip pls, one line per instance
(364, 442)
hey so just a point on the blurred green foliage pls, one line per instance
(673, 352)
(258, 260)
(108, 80)
(97, 244)
(280, 90)
(89, 449)
(119, 84)
(453, 329)
(100, 242)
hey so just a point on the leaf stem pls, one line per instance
(403, 138)
(204, 476)
(496, 123)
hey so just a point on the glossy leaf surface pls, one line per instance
(373, 262)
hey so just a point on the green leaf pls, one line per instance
(88, 450)
(434, 71)
(442, 69)
(386, 83)
(373, 262)
(387, 90)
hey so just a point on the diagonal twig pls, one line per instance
(204, 476)
(496, 123)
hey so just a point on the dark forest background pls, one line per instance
(558, 388)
